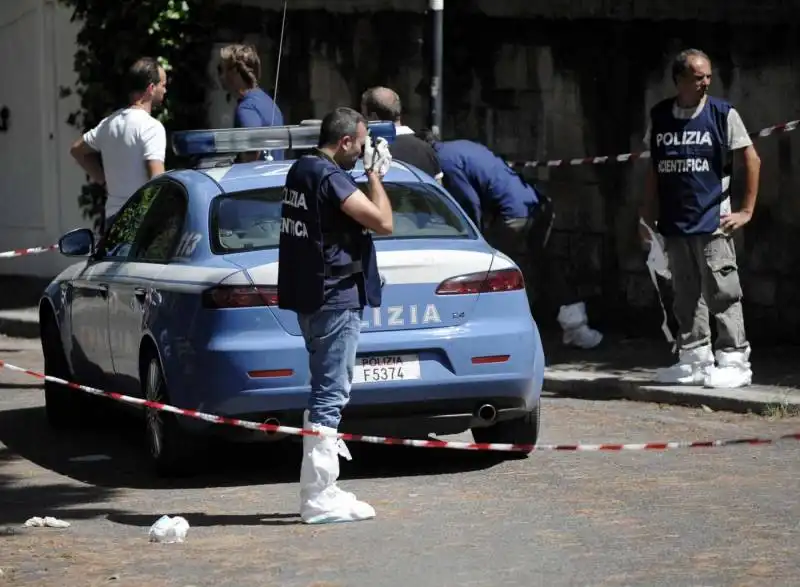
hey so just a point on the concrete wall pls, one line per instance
(534, 84)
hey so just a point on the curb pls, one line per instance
(607, 386)
(19, 324)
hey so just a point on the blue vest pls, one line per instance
(690, 158)
(326, 259)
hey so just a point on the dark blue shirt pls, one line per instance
(483, 183)
(257, 109)
(690, 158)
(317, 238)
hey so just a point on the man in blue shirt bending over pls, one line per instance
(507, 209)
(239, 72)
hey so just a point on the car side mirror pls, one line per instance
(77, 243)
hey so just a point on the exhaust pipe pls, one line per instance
(487, 413)
(271, 422)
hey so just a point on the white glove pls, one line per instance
(377, 157)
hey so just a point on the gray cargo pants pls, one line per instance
(705, 280)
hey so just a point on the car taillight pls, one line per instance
(484, 282)
(240, 296)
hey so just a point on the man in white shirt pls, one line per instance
(128, 147)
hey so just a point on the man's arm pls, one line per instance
(372, 210)
(89, 160)
(739, 140)
(154, 140)
(458, 184)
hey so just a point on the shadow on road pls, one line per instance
(199, 519)
(20, 501)
(123, 463)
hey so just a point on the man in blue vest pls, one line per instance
(327, 273)
(508, 211)
(692, 137)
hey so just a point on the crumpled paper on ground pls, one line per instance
(50, 522)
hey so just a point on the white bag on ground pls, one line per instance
(169, 530)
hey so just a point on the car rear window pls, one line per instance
(252, 220)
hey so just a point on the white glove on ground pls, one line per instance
(376, 156)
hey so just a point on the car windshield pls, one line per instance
(252, 220)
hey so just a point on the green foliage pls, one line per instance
(115, 34)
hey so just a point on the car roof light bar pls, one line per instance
(270, 138)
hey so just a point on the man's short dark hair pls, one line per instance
(428, 136)
(141, 74)
(680, 64)
(382, 102)
(342, 122)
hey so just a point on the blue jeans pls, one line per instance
(331, 338)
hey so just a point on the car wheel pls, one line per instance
(524, 430)
(65, 408)
(169, 445)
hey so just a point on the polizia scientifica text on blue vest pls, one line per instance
(290, 226)
(681, 138)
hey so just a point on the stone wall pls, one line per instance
(533, 84)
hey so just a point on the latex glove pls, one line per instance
(377, 157)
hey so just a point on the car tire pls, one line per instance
(170, 447)
(524, 430)
(65, 408)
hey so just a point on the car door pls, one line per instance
(92, 337)
(132, 295)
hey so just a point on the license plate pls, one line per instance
(386, 368)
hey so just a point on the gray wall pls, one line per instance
(533, 84)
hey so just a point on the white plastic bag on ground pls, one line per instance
(169, 530)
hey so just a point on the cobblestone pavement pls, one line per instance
(683, 518)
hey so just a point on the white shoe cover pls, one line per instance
(321, 500)
(575, 324)
(732, 370)
(691, 369)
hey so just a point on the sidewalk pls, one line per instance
(624, 368)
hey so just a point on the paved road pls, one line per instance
(705, 518)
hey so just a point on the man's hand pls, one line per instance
(377, 158)
(732, 222)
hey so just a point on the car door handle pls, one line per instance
(140, 293)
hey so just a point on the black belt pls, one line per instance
(344, 270)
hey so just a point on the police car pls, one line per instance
(177, 303)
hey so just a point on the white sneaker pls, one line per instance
(321, 499)
(575, 324)
(691, 369)
(732, 370)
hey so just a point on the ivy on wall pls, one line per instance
(114, 34)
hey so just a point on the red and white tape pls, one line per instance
(23, 252)
(625, 157)
(474, 446)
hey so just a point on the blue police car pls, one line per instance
(177, 303)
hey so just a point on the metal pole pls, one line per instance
(437, 8)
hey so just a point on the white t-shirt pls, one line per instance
(738, 138)
(125, 140)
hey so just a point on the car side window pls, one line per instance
(120, 237)
(159, 232)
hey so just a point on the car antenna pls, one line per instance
(278, 70)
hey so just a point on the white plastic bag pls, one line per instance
(658, 264)
(169, 530)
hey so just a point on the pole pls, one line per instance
(437, 8)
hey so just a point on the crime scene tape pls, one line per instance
(625, 157)
(456, 445)
(23, 252)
